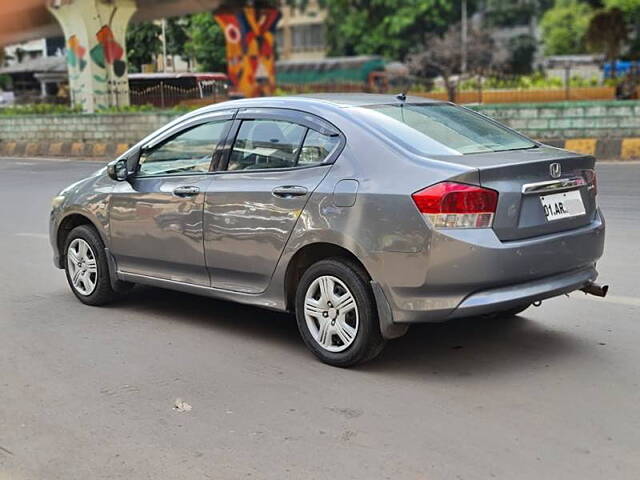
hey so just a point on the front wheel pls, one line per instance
(336, 313)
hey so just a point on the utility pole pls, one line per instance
(464, 24)
(164, 45)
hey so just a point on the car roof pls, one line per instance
(362, 99)
(335, 100)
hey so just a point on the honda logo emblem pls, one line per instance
(555, 170)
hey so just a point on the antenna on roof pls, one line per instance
(402, 97)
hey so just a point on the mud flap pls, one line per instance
(116, 284)
(388, 328)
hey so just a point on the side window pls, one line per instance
(188, 152)
(317, 147)
(266, 144)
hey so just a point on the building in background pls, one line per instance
(34, 49)
(38, 79)
(38, 70)
(301, 35)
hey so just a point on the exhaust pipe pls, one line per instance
(592, 288)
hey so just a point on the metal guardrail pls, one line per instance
(167, 96)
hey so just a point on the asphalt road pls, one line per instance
(88, 393)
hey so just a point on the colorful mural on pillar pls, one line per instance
(108, 51)
(108, 55)
(250, 37)
(96, 53)
(77, 63)
(76, 53)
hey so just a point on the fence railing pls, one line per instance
(167, 96)
(514, 95)
(526, 95)
(163, 95)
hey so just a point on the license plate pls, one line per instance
(562, 205)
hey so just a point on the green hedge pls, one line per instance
(38, 109)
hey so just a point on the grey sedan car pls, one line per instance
(362, 214)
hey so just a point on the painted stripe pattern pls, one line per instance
(601, 148)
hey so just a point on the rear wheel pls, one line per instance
(336, 313)
(86, 267)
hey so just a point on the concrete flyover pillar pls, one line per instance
(96, 51)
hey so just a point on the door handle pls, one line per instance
(289, 191)
(186, 191)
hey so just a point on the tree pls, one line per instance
(392, 28)
(628, 7)
(143, 44)
(522, 50)
(509, 13)
(442, 55)
(177, 31)
(564, 27)
(206, 43)
(501, 13)
(631, 12)
(607, 33)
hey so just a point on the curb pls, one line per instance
(601, 148)
(62, 149)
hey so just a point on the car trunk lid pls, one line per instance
(542, 171)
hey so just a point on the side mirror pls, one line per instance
(118, 170)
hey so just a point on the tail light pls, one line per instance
(457, 205)
(591, 179)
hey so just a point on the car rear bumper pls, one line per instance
(465, 273)
(504, 298)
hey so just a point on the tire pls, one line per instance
(341, 339)
(84, 256)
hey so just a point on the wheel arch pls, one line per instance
(307, 256)
(68, 223)
(313, 252)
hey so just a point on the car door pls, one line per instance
(274, 161)
(156, 216)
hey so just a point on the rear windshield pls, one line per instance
(455, 128)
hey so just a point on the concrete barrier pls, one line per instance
(608, 130)
(601, 148)
(63, 149)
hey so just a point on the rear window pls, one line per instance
(457, 129)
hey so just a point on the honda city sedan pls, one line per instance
(361, 214)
